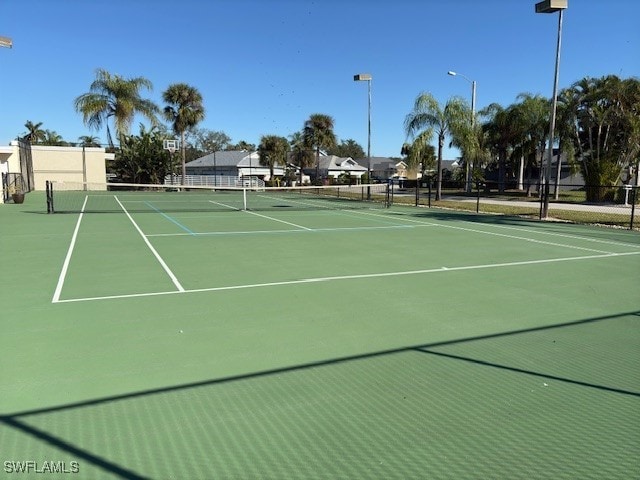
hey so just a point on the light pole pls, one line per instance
(6, 42)
(366, 77)
(551, 6)
(473, 115)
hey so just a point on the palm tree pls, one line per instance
(606, 130)
(427, 118)
(34, 134)
(185, 111)
(501, 130)
(531, 120)
(117, 98)
(301, 156)
(273, 151)
(51, 137)
(419, 153)
(318, 134)
(88, 141)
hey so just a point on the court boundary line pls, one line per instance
(497, 234)
(354, 277)
(67, 260)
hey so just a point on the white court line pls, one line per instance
(263, 216)
(65, 265)
(153, 250)
(496, 234)
(565, 235)
(278, 220)
(262, 232)
(356, 277)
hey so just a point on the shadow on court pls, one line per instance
(19, 421)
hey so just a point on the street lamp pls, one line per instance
(473, 114)
(366, 77)
(6, 42)
(552, 6)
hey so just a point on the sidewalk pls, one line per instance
(615, 209)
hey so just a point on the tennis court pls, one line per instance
(316, 340)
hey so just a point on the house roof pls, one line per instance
(331, 162)
(379, 163)
(251, 159)
(224, 159)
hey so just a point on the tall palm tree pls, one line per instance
(273, 151)
(427, 118)
(34, 134)
(185, 111)
(531, 117)
(301, 155)
(501, 130)
(112, 97)
(318, 134)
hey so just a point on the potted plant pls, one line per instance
(16, 191)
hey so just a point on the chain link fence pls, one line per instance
(610, 205)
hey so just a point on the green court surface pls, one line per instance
(287, 343)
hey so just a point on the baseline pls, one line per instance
(357, 277)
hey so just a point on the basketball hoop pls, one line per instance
(170, 145)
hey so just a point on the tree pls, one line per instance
(273, 151)
(605, 130)
(207, 141)
(427, 118)
(52, 138)
(185, 110)
(467, 134)
(347, 148)
(88, 141)
(531, 119)
(34, 134)
(318, 134)
(242, 146)
(301, 155)
(112, 97)
(420, 155)
(142, 158)
(502, 133)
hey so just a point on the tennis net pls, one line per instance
(79, 197)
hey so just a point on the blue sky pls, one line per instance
(264, 66)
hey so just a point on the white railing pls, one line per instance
(215, 181)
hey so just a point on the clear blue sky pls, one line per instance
(264, 66)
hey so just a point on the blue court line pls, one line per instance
(171, 219)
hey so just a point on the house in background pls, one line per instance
(231, 164)
(238, 164)
(332, 167)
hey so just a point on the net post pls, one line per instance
(244, 198)
(634, 196)
(49, 196)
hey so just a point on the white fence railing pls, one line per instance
(215, 181)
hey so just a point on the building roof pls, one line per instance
(223, 159)
(331, 162)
